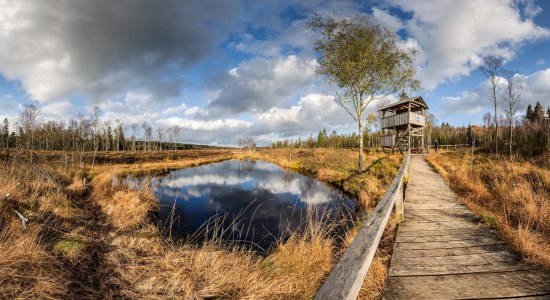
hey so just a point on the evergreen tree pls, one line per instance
(322, 138)
(12, 141)
(529, 114)
(109, 139)
(119, 132)
(538, 113)
(21, 137)
(470, 134)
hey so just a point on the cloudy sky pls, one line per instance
(225, 69)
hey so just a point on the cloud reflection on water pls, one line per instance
(269, 199)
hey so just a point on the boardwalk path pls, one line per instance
(442, 250)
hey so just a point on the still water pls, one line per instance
(254, 201)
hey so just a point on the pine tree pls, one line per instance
(322, 138)
(538, 113)
(12, 141)
(529, 114)
(469, 134)
(120, 140)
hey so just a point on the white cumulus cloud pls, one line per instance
(455, 35)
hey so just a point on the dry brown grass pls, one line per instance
(128, 209)
(125, 208)
(77, 187)
(88, 238)
(512, 196)
(27, 271)
(152, 267)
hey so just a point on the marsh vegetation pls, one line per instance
(86, 237)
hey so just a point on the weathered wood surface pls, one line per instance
(443, 251)
(345, 280)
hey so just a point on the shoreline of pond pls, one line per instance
(274, 200)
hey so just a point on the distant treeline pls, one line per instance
(87, 133)
(531, 134)
(334, 140)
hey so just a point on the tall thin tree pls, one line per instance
(512, 101)
(95, 123)
(28, 118)
(492, 69)
(364, 60)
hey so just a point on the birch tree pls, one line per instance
(512, 101)
(96, 128)
(28, 118)
(363, 59)
(135, 128)
(492, 69)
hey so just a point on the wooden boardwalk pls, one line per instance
(443, 251)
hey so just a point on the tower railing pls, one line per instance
(402, 119)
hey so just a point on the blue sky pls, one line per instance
(225, 69)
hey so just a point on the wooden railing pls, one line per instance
(403, 119)
(387, 140)
(447, 147)
(346, 279)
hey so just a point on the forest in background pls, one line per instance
(531, 134)
(87, 133)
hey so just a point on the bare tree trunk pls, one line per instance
(360, 123)
(32, 145)
(511, 136)
(93, 157)
(496, 118)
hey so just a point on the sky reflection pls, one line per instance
(259, 200)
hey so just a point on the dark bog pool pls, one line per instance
(250, 202)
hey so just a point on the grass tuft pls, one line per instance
(69, 248)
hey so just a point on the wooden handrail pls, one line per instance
(346, 279)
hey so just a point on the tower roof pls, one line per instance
(416, 103)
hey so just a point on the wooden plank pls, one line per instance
(433, 206)
(465, 235)
(441, 218)
(417, 270)
(447, 244)
(409, 226)
(435, 212)
(472, 259)
(345, 280)
(448, 231)
(469, 286)
(445, 252)
(459, 264)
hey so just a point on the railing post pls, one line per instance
(399, 209)
(400, 194)
(347, 277)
